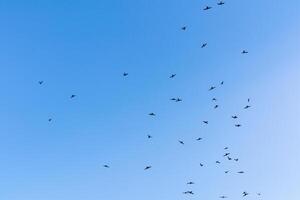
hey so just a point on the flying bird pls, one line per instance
(181, 142)
(246, 107)
(190, 183)
(50, 119)
(188, 192)
(226, 172)
(236, 159)
(149, 136)
(214, 99)
(229, 158)
(125, 74)
(211, 88)
(207, 8)
(222, 83)
(151, 114)
(223, 197)
(216, 106)
(205, 122)
(198, 139)
(204, 45)
(41, 82)
(178, 100)
(238, 125)
(221, 3)
(218, 162)
(245, 194)
(173, 99)
(201, 165)
(225, 148)
(72, 96)
(172, 75)
(244, 52)
(234, 117)
(147, 167)
(106, 166)
(241, 172)
(226, 154)
(183, 28)
(248, 100)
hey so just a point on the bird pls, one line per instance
(223, 197)
(221, 3)
(226, 154)
(216, 106)
(181, 142)
(236, 159)
(211, 88)
(106, 166)
(172, 75)
(125, 74)
(205, 122)
(201, 165)
(41, 82)
(72, 96)
(259, 194)
(190, 183)
(218, 162)
(207, 8)
(188, 192)
(244, 52)
(204, 45)
(229, 158)
(214, 99)
(152, 114)
(173, 99)
(238, 125)
(245, 194)
(226, 172)
(183, 28)
(241, 172)
(178, 100)
(234, 117)
(247, 106)
(222, 83)
(226, 148)
(198, 139)
(147, 167)
(248, 100)
(50, 119)
(149, 136)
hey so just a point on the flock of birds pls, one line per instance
(226, 155)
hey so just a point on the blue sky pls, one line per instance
(83, 47)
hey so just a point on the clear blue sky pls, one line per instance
(83, 47)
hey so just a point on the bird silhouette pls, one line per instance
(245, 194)
(106, 166)
(234, 117)
(172, 75)
(198, 139)
(226, 154)
(173, 99)
(188, 192)
(241, 172)
(205, 122)
(178, 100)
(220, 3)
(147, 167)
(41, 82)
(190, 183)
(181, 142)
(152, 114)
(201, 165)
(238, 125)
(214, 99)
(50, 119)
(218, 162)
(216, 106)
(207, 8)
(244, 52)
(248, 100)
(211, 88)
(222, 83)
(125, 74)
(226, 148)
(149, 136)
(204, 45)
(183, 28)
(229, 158)
(223, 197)
(72, 96)
(226, 172)
(247, 106)
(236, 159)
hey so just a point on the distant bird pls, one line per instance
(207, 8)
(183, 28)
(50, 119)
(226, 154)
(248, 100)
(246, 107)
(236, 159)
(152, 114)
(221, 3)
(149, 136)
(244, 52)
(198, 139)
(201, 165)
(245, 194)
(190, 183)
(226, 148)
(188, 192)
(229, 158)
(241, 172)
(214, 99)
(72, 96)
(222, 83)
(238, 125)
(125, 74)
(211, 88)
(172, 75)
(223, 197)
(218, 162)
(178, 100)
(258, 194)
(234, 117)
(205, 122)
(106, 166)
(226, 172)
(181, 142)
(204, 45)
(41, 82)
(216, 106)
(147, 167)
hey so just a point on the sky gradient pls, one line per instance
(83, 47)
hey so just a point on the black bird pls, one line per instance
(201, 165)
(207, 8)
(241, 172)
(245, 194)
(225, 148)
(173, 99)
(72, 96)
(125, 74)
(216, 106)
(238, 125)
(50, 119)
(236, 159)
(198, 139)
(183, 28)
(211, 88)
(172, 75)
(226, 172)
(41, 82)
(221, 3)
(106, 166)
(188, 192)
(151, 114)
(234, 117)
(258, 194)
(205, 122)
(190, 183)
(218, 162)
(214, 99)
(246, 107)
(147, 167)
(181, 142)
(226, 154)
(244, 52)
(178, 100)
(222, 83)
(229, 158)
(204, 45)
(223, 197)
(149, 136)
(248, 100)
